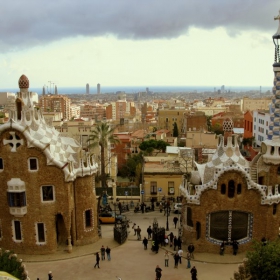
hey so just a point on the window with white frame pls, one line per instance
(17, 234)
(88, 218)
(47, 193)
(171, 189)
(40, 233)
(16, 199)
(33, 164)
(153, 187)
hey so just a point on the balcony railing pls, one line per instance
(18, 211)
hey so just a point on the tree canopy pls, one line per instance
(150, 145)
(262, 263)
(132, 168)
(175, 130)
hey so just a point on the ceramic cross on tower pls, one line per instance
(14, 142)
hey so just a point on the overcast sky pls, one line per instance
(138, 42)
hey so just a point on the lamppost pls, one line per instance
(115, 205)
(167, 214)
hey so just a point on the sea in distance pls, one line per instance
(135, 89)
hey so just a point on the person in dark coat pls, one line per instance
(145, 243)
(193, 273)
(176, 260)
(191, 250)
(171, 238)
(149, 231)
(179, 243)
(235, 247)
(175, 220)
(222, 248)
(108, 252)
(50, 275)
(97, 260)
(175, 241)
(158, 272)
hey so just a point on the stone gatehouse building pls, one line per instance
(47, 184)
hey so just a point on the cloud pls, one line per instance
(38, 22)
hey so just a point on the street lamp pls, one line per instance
(167, 214)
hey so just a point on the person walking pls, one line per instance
(175, 241)
(102, 250)
(166, 240)
(166, 258)
(149, 231)
(222, 248)
(180, 253)
(175, 220)
(188, 257)
(191, 250)
(179, 243)
(235, 247)
(108, 253)
(97, 260)
(158, 271)
(135, 229)
(138, 231)
(50, 275)
(171, 238)
(194, 273)
(145, 243)
(176, 260)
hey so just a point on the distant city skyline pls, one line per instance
(152, 89)
(143, 43)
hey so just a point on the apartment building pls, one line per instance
(56, 103)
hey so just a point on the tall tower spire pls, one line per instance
(274, 126)
(271, 148)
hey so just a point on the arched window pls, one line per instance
(189, 217)
(239, 189)
(278, 170)
(272, 150)
(274, 209)
(223, 189)
(231, 189)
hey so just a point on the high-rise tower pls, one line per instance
(87, 88)
(271, 147)
(98, 89)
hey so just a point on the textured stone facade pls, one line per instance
(47, 185)
(264, 223)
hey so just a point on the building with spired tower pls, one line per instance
(47, 184)
(229, 198)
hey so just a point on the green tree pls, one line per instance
(262, 263)
(175, 130)
(10, 263)
(102, 136)
(209, 122)
(132, 169)
(150, 145)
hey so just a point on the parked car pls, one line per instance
(177, 208)
(110, 218)
(106, 218)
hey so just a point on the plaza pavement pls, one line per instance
(129, 260)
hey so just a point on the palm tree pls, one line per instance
(102, 136)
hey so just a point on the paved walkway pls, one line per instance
(129, 260)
